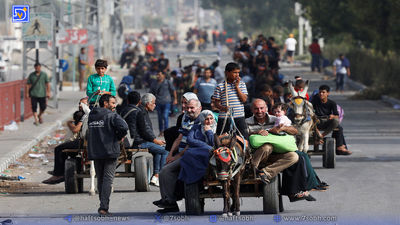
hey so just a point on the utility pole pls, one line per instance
(301, 35)
(72, 48)
(299, 12)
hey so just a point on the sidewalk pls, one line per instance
(14, 144)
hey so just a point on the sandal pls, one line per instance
(308, 197)
(319, 138)
(103, 212)
(40, 120)
(342, 150)
(323, 184)
(297, 197)
(319, 188)
(264, 178)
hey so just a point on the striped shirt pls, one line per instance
(255, 126)
(234, 101)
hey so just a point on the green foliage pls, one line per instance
(369, 93)
(270, 17)
(372, 24)
(338, 44)
(378, 71)
(368, 32)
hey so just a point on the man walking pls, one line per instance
(163, 90)
(315, 51)
(82, 62)
(204, 88)
(290, 47)
(38, 89)
(341, 68)
(106, 130)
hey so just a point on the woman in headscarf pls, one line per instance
(194, 161)
(170, 134)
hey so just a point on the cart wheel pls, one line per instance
(73, 184)
(329, 156)
(193, 204)
(281, 209)
(150, 170)
(271, 197)
(141, 177)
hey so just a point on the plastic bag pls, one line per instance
(281, 143)
(12, 126)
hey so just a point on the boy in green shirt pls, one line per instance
(99, 83)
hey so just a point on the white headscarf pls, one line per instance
(203, 116)
(189, 96)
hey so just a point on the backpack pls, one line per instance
(128, 141)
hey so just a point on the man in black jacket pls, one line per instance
(145, 138)
(106, 130)
(130, 113)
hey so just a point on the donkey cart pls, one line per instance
(196, 193)
(302, 120)
(78, 167)
(327, 151)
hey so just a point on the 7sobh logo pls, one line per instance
(20, 13)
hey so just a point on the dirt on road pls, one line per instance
(32, 167)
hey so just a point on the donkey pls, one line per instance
(230, 160)
(303, 116)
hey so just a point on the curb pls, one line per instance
(13, 155)
(360, 87)
(353, 84)
(390, 100)
(356, 85)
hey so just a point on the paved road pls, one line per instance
(364, 186)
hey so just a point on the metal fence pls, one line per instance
(13, 104)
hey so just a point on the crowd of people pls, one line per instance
(250, 90)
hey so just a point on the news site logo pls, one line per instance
(20, 13)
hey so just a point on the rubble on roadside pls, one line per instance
(25, 174)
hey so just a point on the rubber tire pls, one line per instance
(271, 197)
(193, 204)
(329, 156)
(141, 177)
(150, 170)
(72, 184)
(281, 208)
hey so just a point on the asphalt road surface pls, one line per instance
(363, 186)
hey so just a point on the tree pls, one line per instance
(372, 23)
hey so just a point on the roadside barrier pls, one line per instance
(13, 104)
